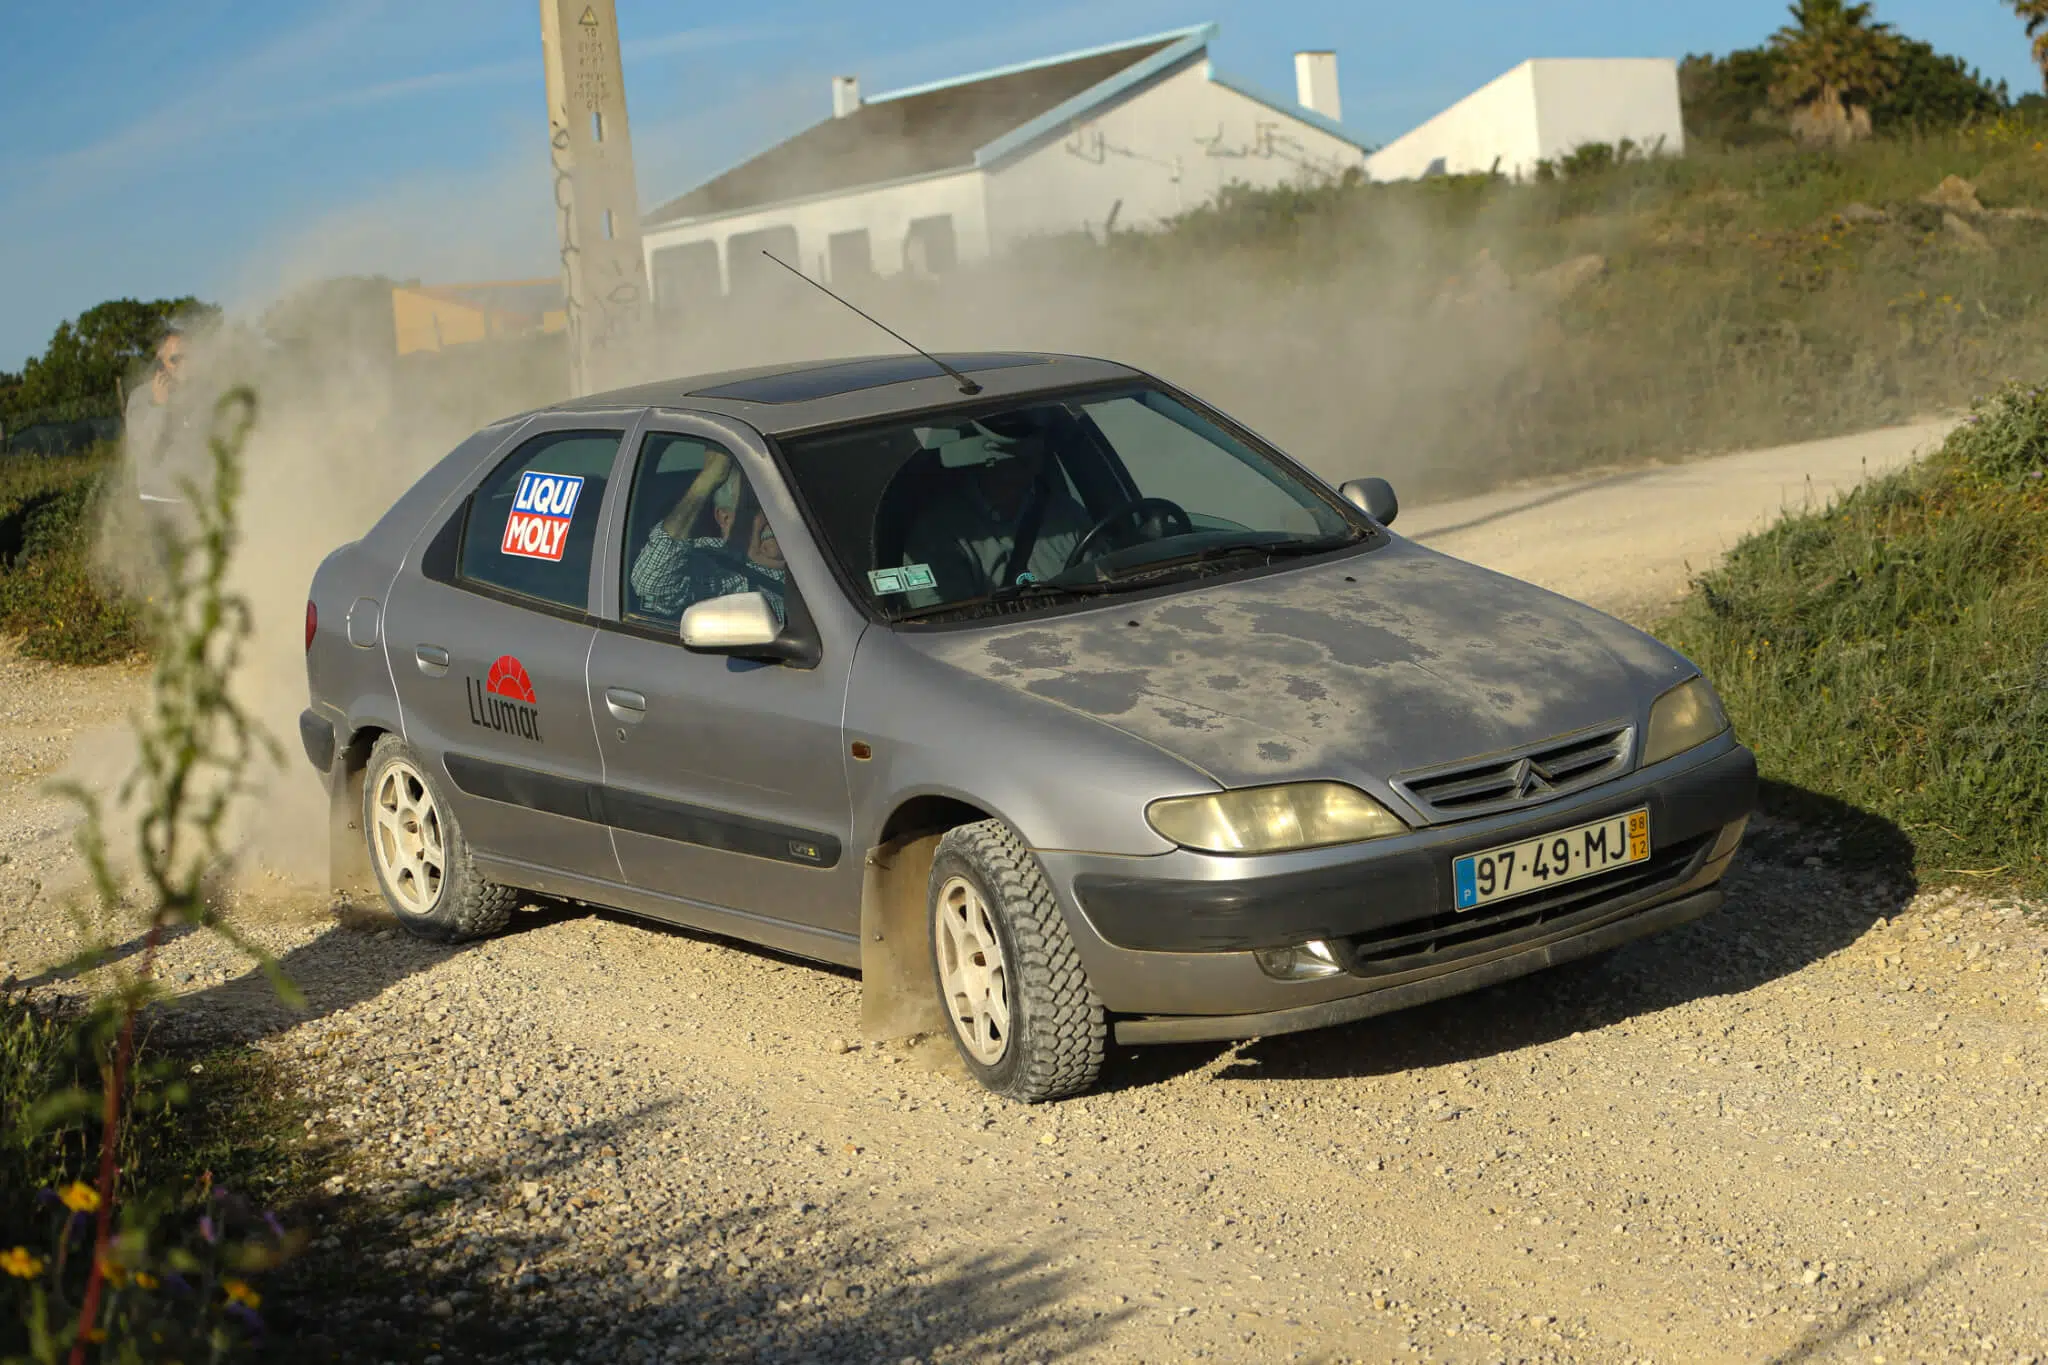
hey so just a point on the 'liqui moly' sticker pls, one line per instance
(541, 512)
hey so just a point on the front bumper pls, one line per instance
(1172, 935)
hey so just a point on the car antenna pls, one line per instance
(967, 386)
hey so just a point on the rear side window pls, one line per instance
(531, 526)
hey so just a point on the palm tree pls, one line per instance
(2035, 12)
(1833, 62)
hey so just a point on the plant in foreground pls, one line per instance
(173, 1281)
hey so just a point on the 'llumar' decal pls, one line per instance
(504, 701)
(542, 509)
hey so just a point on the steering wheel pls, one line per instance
(1154, 518)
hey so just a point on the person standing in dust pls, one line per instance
(157, 420)
(163, 447)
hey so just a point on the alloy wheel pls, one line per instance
(973, 977)
(408, 839)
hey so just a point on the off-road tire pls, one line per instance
(1058, 1032)
(468, 905)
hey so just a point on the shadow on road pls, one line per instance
(1836, 868)
(517, 1256)
(357, 957)
(1531, 503)
(1822, 1339)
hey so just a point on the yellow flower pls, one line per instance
(21, 1263)
(145, 1280)
(79, 1197)
(238, 1291)
(112, 1271)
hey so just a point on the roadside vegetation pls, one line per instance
(54, 600)
(121, 1241)
(1891, 651)
(1647, 307)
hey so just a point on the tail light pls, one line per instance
(312, 622)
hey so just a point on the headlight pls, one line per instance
(1273, 819)
(1687, 715)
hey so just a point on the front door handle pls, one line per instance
(432, 659)
(625, 704)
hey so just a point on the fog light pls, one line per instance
(1299, 962)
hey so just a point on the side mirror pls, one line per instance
(743, 624)
(1374, 497)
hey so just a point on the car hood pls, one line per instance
(1359, 668)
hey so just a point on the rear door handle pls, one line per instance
(432, 659)
(625, 704)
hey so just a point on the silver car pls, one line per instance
(1057, 702)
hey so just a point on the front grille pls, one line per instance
(1526, 777)
(1419, 943)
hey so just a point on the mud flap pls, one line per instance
(349, 876)
(897, 995)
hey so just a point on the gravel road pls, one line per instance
(1810, 1127)
(1629, 540)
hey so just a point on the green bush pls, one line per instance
(212, 1135)
(52, 597)
(1727, 100)
(220, 1112)
(1892, 651)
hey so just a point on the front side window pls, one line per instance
(532, 524)
(694, 531)
(1061, 495)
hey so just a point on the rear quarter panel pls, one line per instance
(350, 683)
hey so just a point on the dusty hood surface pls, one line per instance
(1382, 662)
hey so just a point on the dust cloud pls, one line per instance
(1353, 352)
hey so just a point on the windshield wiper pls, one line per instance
(1266, 549)
(1012, 592)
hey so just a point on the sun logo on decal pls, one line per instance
(507, 678)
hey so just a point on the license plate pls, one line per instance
(1564, 856)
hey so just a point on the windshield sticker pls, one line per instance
(545, 504)
(906, 579)
(503, 700)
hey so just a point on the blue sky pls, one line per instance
(224, 149)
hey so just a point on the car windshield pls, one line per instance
(1062, 495)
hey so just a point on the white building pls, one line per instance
(1122, 136)
(1541, 111)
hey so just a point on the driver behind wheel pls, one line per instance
(970, 528)
(675, 569)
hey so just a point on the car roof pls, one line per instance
(781, 399)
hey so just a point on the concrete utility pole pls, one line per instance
(597, 207)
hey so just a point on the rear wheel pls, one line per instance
(1025, 1020)
(421, 859)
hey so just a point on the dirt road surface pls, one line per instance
(1810, 1127)
(1629, 541)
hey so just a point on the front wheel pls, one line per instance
(1025, 1020)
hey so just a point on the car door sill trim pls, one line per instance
(804, 940)
(640, 813)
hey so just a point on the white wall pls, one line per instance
(1606, 100)
(1161, 152)
(886, 212)
(1544, 110)
(1497, 122)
